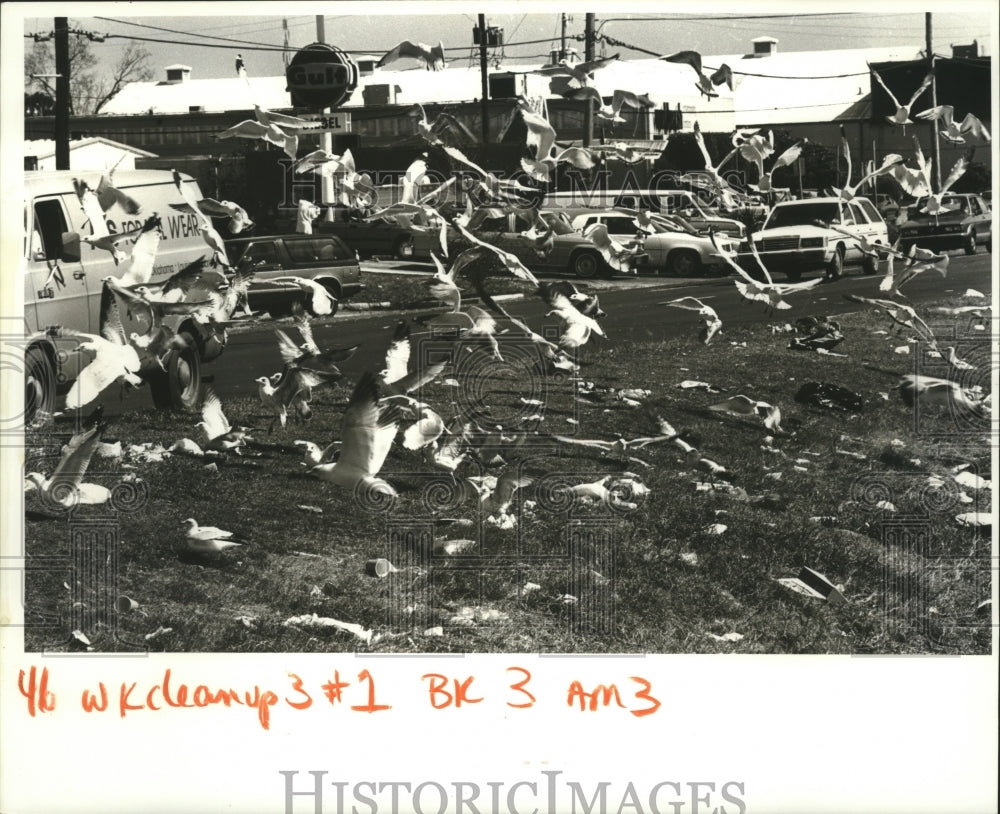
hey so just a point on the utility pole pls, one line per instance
(484, 110)
(588, 56)
(935, 142)
(62, 93)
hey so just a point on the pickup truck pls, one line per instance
(323, 258)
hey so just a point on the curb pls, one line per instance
(366, 306)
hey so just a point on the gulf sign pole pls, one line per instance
(321, 77)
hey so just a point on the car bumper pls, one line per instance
(951, 240)
(801, 258)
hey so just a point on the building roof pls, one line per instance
(44, 148)
(796, 87)
(783, 88)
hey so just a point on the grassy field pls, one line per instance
(657, 578)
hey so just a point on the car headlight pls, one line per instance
(813, 242)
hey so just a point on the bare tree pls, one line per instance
(90, 89)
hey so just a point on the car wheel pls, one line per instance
(179, 386)
(869, 265)
(835, 268)
(586, 264)
(403, 248)
(39, 383)
(969, 244)
(683, 263)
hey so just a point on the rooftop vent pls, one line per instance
(965, 51)
(177, 74)
(764, 46)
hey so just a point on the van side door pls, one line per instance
(57, 288)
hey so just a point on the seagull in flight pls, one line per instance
(431, 57)
(902, 114)
(768, 292)
(579, 72)
(65, 485)
(741, 405)
(711, 324)
(705, 84)
(100, 237)
(114, 359)
(971, 131)
(221, 435)
(368, 429)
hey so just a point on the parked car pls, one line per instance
(571, 251)
(383, 237)
(63, 281)
(676, 202)
(968, 224)
(323, 258)
(791, 242)
(675, 248)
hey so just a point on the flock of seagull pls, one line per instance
(386, 407)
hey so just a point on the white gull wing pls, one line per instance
(397, 356)
(367, 430)
(215, 421)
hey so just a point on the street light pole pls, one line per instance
(62, 93)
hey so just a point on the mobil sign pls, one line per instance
(321, 75)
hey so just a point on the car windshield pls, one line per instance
(955, 202)
(803, 214)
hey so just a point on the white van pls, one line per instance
(63, 281)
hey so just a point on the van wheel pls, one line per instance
(969, 245)
(403, 248)
(39, 383)
(586, 264)
(683, 263)
(835, 268)
(179, 387)
(869, 265)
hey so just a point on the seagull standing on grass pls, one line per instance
(207, 539)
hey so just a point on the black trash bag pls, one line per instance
(832, 396)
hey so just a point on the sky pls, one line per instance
(209, 44)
